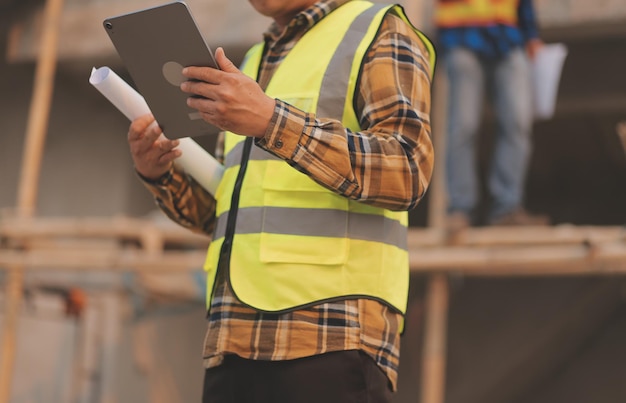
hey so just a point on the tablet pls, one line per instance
(154, 45)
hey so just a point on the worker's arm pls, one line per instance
(390, 161)
(528, 26)
(180, 197)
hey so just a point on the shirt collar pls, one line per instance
(304, 20)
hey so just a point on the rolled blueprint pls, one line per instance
(198, 163)
(546, 72)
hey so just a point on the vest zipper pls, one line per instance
(227, 245)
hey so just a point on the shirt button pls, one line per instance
(278, 144)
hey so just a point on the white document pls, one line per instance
(201, 165)
(546, 74)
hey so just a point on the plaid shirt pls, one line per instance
(387, 164)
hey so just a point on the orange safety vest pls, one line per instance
(463, 13)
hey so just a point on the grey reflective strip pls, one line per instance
(256, 154)
(337, 77)
(316, 222)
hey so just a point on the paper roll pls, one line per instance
(546, 72)
(198, 163)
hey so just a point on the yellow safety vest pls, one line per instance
(286, 241)
(462, 13)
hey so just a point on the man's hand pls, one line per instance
(152, 152)
(227, 98)
(532, 47)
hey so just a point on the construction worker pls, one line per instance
(486, 46)
(326, 146)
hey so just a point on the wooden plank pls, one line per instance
(98, 260)
(111, 331)
(561, 250)
(13, 302)
(512, 236)
(548, 260)
(87, 352)
(437, 194)
(558, 260)
(435, 340)
(523, 261)
(98, 227)
(578, 12)
(126, 227)
(39, 112)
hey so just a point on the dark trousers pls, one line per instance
(337, 377)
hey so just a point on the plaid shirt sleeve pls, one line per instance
(183, 200)
(389, 162)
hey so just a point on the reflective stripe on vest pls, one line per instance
(460, 13)
(295, 243)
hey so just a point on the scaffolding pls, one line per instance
(29, 243)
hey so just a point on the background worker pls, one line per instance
(327, 146)
(486, 46)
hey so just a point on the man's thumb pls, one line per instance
(223, 62)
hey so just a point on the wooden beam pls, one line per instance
(567, 260)
(24, 229)
(433, 383)
(551, 260)
(13, 292)
(39, 112)
(517, 236)
(29, 183)
(437, 196)
(497, 251)
(108, 260)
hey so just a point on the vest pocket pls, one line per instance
(303, 222)
(280, 248)
(296, 230)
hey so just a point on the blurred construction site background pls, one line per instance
(102, 299)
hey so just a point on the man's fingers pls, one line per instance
(166, 145)
(152, 133)
(144, 130)
(197, 88)
(138, 126)
(204, 74)
(202, 104)
(224, 63)
(169, 156)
